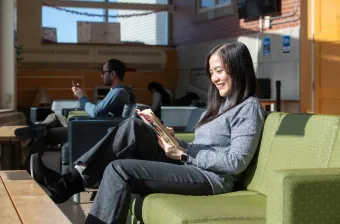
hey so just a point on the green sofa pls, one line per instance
(294, 178)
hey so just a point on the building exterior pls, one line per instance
(151, 29)
(197, 31)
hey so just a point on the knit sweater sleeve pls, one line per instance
(246, 128)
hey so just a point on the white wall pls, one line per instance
(276, 66)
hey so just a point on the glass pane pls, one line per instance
(86, 0)
(162, 2)
(207, 3)
(65, 23)
(226, 2)
(151, 29)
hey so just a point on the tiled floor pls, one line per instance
(75, 212)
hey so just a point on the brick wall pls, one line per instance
(187, 31)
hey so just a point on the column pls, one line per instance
(7, 55)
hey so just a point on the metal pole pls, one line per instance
(278, 96)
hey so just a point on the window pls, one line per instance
(211, 4)
(162, 2)
(65, 28)
(91, 25)
(211, 9)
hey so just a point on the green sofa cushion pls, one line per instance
(187, 137)
(243, 206)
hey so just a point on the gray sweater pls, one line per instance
(224, 147)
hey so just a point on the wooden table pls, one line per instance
(23, 201)
(10, 148)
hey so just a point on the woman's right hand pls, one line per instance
(171, 131)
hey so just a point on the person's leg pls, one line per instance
(41, 130)
(56, 136)
(55, 120)
(130, 139)
(124, 177)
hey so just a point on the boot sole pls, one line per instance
(33, 157)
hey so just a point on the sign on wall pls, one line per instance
(266, 46)
(286, 44)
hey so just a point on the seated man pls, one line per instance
(53, 129)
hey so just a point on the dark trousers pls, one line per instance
(56, 134)
(128, 161)
(57, 129)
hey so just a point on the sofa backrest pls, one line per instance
(176, 116)
(58, 105)
(293, 141)
(129, 109)
(194, 118)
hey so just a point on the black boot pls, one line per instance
(31, 132)
(61, 187)
(38, 146)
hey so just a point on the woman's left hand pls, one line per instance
(171, 151)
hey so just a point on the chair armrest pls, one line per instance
(304, 196)
(77, 113)
(84, 134)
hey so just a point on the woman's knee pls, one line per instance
(116, 166)
(119, 167)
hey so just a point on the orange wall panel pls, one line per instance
(58, 83)
(46, 82)
(44, 72)
(92, 79)
(25, 98)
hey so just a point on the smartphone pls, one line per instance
(74, 85)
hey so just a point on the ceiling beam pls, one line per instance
(106, 5)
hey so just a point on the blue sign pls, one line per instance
(266, 46)
(286, 44)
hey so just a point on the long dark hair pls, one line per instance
(237, 61)
(165, 96)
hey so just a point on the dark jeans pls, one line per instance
(128, 160)
(56, 134)
(57, 129)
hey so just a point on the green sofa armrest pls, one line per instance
(304, 196)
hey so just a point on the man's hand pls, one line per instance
(78, 91)
(170, 151)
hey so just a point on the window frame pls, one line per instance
(216, 6)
